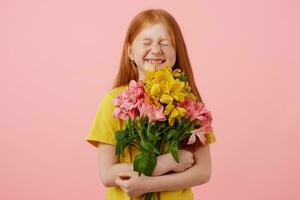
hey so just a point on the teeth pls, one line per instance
(154, 61)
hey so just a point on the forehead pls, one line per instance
(154, 31)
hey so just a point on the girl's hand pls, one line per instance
(132, 183)
(186, 160)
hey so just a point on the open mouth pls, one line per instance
(155, 62)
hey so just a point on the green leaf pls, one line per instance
(149, 147)
(149, 129)
(174, 150)
(182, 77)
(122, 144)
(128, 124)
(143, 163)
(118, 149)
(150, 165)
(136, 163)
(186, 132)
(152, 197)
(120, 135)
(151, 133)
(171, 133)
(148, 196)
(153, 138)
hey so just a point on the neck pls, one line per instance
(142, 75)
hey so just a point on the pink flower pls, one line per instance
(201, 135)
(154, 113)
(136, 89)
(127, 102)
(143, 108)
(195, 109)
(197, 112)
(132, 103)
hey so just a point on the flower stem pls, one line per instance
(158, 195)
(139, 129)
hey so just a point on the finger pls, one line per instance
(124, 175)
(119, 182)
(124, 189)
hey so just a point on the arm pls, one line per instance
(109, 165)
(198, 174)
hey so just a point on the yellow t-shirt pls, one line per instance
(103, 130)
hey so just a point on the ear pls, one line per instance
(130, 54)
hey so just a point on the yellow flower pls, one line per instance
(165, 98)
(168, 109)
(163, 86)
(181, 112)
(176, 113)
(187, 87)
(176, 73)
(177, 90)
(155, 89)
(189, 92)
(192, 96)
(159, 78)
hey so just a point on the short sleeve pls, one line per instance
(210, 138)
(104, 124)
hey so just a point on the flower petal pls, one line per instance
(192, 139)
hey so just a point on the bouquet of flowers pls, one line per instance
(160, 111)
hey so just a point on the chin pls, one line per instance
(147, 67)
(152, 67)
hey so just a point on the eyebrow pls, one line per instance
(146, 38)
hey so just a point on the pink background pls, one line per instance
(58, 58)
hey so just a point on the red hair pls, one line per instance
(144, 19)
(128, 72)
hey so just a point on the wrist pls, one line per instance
(168, 162)
(162, 165)
(147, 184)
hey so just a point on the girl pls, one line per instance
(153, 39)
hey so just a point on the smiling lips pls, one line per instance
(155, 61)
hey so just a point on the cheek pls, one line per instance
(171, 56)
(140, 55)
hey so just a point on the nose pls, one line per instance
(155, 49)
